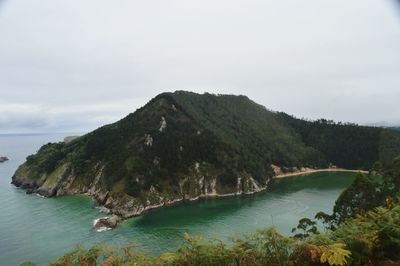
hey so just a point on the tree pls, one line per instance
(307, 226)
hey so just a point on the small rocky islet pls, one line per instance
(3, 159)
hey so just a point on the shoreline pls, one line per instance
(262, 189)
(312, 171)
(182, 200)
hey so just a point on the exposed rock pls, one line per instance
(65, 186)
(148, 140)
(95, 188)
(163, 124)
(3, 159)
(30, 191)
(255, 187)
(19, 179)
(239, 188)
(51, 182)
(277, 169)
(107, 222)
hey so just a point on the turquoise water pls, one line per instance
(40, 230)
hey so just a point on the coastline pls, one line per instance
(303, 171)
(308, 171)
(140, 210)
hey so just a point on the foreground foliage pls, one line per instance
(369, 239)
(380, 188)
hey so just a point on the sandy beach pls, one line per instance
(311, 171)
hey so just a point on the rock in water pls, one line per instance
(106, 223)
(3, 159)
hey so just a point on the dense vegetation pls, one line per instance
(380, 187)
(347, 145)
(365, 231)
(228, 136)
(365, 217)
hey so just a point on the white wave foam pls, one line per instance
(100, 229)
(103, 229)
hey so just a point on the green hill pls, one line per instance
(184, 145)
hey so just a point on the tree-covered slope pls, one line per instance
(347, 145)
(256, 134)
(184, 145)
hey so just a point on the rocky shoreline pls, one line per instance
(110, 222)
(194, 187)
(123, 206)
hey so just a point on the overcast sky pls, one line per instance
(70, 65)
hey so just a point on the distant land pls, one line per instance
(184, 146)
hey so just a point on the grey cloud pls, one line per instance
(81, 64)
(71, 118)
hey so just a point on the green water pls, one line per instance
(39, 229)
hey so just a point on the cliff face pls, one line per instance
(179, 146)
(196, 184)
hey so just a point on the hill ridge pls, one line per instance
(183, 146)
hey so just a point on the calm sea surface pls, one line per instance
(40, 230)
